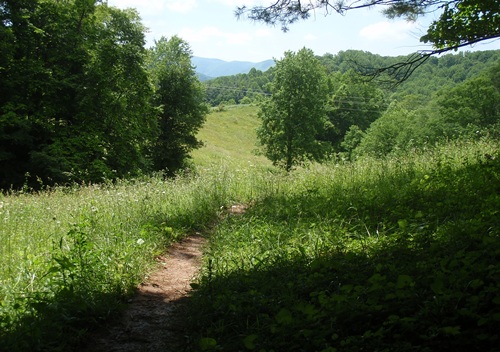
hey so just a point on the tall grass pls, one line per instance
(397, 254)
(331, 257)
(69, 256)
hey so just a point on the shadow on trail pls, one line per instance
(150, 323)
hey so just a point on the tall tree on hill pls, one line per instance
(180, 100)
(459, 22)
(294, 116)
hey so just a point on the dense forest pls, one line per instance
(446, 97)
(82, 100)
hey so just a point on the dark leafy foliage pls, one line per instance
(75, 93)
(75, 101)
(179, 97)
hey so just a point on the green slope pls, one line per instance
(229, 138)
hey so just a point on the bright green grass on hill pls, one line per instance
(229, 139)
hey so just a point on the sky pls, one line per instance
(212, 30)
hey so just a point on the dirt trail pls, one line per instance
(154, 318)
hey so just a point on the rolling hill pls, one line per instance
(212, 68)
(229, 138)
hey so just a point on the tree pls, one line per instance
(118, 91)
(392, 131)
(294, 115)
(74, 102)
(41, 70)
(106, 134)
(460, 22)
(180, 100)
(251, 85)
(352, 140)
(353, 102)
(472, 106)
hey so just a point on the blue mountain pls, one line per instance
(212, 68)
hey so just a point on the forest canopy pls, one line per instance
(77, 100)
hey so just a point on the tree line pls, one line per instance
(83, 100)
(447, 97)
(313, 114)
(435, 73)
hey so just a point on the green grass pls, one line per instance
(381, 255)
(398, 254)
(229, 139)
(69, 256)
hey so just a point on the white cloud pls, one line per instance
(264, 32)
(386, 30)
(149, 7)
(239, 3)
(310, 37)
(152, 8)
(182, 6)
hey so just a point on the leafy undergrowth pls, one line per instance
(393, 255)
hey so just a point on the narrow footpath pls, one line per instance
(154, 318)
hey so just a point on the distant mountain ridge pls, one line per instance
(212, 68)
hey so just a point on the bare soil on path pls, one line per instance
(154, 319)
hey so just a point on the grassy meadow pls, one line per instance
(398, 254)
(229, 139)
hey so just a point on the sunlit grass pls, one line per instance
(229, 138)
(81, 250)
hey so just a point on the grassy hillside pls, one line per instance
(378, 255)
(229, 139)
(399, 254)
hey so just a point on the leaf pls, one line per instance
(207, 343)
(451, 330)
(376, 279)
(249, 341)
(284, 316)
(437, 286)
(404, 280)
(403, 224)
